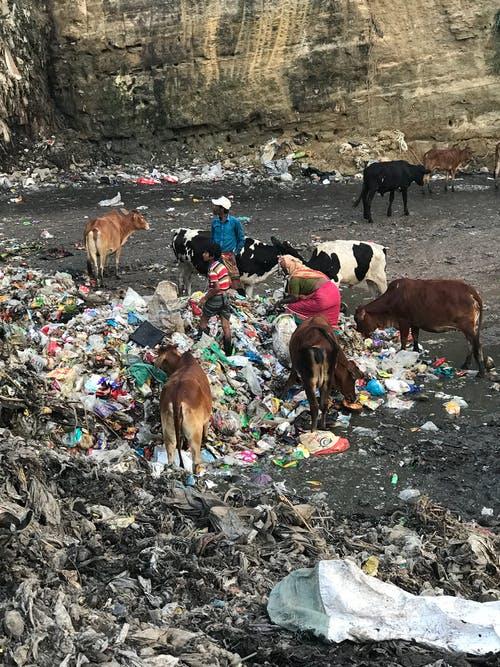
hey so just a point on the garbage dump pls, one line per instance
(112, 557)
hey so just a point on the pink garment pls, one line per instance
(324, 301)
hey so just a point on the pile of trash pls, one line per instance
(95, 359)
(50, 164)
(112, 557)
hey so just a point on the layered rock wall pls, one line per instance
(152, 72)
(26, 103)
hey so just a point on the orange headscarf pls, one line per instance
(297, 269)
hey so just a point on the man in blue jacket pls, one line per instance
(228, 233)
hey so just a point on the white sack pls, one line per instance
(337, 601)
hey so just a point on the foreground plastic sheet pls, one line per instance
(337, 601)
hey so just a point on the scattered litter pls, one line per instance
(115, 201)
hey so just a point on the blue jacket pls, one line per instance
(229, 235)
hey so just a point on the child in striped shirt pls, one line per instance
(216, 300)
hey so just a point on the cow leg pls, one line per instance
(194, 435)
(310, 388)
(100, 271)
(474, 348)
(453, 174)
(90, 267)
(404, 330)
(391, 199)
(404, 194)
(376, 288)
(185, 277)
(415, 332)
(324, 394)
(367, 204)
(169, 438)
(117, 260)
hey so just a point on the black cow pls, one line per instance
(256, 260)
(385, 177)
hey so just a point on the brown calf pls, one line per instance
(448, 159)
(497, 164)
(185, 403)
(320, 363)
(106, 235)
(431, 305)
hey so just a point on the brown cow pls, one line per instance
(106, 235)
(497, 164)
(448, 159)
(185, 403)
(320, 363)
(431, 305)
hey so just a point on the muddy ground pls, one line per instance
(447, 235)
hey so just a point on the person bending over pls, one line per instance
(310, 292)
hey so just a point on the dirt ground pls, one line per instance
(448, 235)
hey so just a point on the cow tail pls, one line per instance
(92, 251)
(178, 419)
(333, 353)
(479, 302)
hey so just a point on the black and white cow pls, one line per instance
(385, 177)
(352, 262)
(256, 260)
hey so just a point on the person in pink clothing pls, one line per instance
(310, 292)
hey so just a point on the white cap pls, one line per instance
(222, 201)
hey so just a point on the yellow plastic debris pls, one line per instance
(370, 566)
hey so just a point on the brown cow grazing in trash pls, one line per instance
(321, 364)
(497, 164)
(106, 235)
(185, 403)
(447, 159)
(431, 305)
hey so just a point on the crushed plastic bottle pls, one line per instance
(409, 495)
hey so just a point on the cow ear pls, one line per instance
(124, 211)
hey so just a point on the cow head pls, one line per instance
(138, 221)
(346, 374)
(284, 248)
(168, 358)
(363, 321)
(466, 155)
(420, 174)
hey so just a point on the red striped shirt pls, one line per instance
(217, 272)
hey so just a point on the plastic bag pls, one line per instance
(323, 442)
(283, 327)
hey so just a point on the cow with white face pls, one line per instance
(352, 262)
(256, 261)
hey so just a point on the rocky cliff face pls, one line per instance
(231, 73)
(25, 99)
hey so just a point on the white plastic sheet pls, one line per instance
(337, 601)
